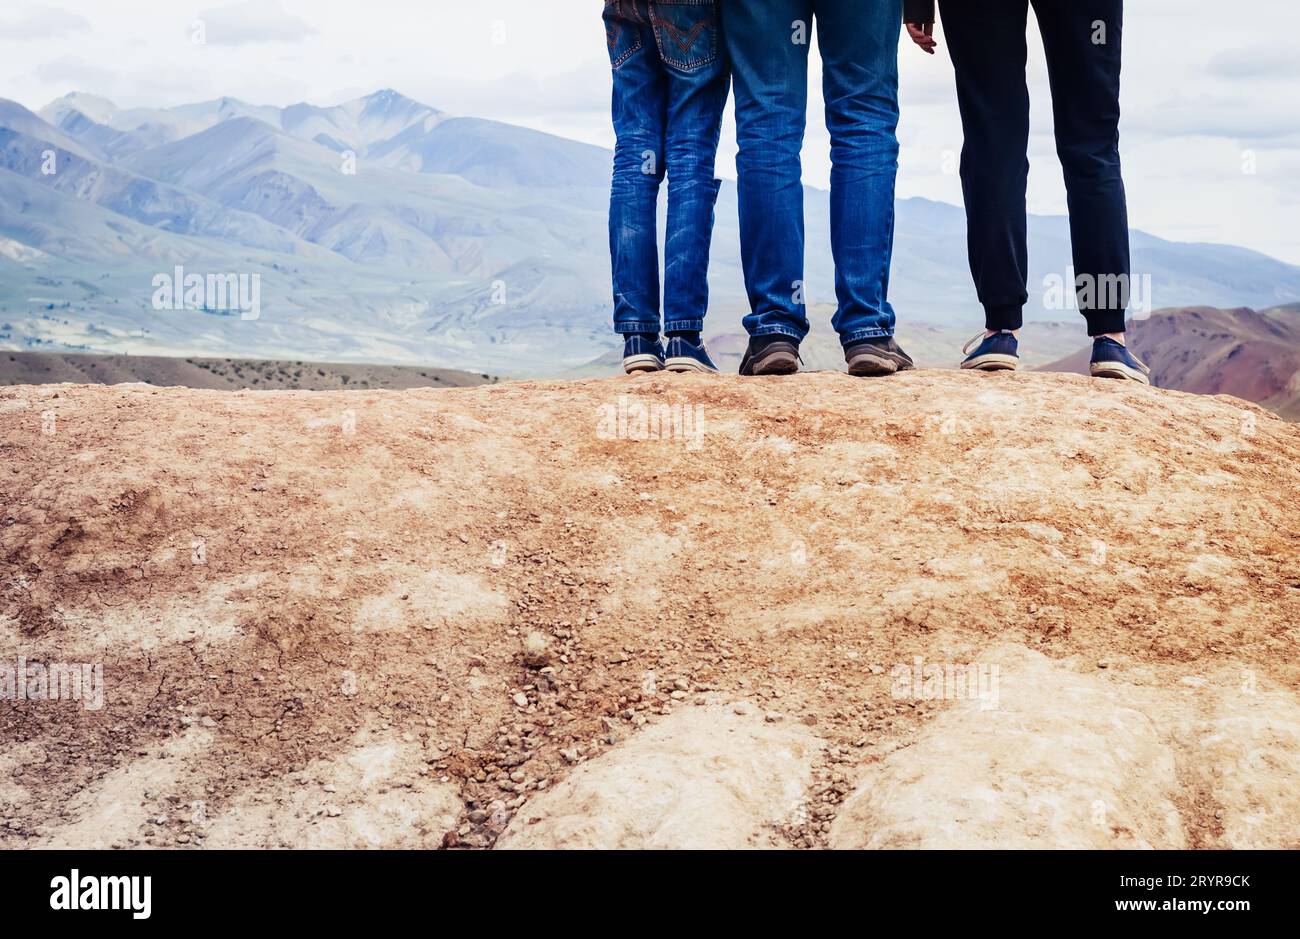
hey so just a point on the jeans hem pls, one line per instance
(860, 334)
(684, 326)
(637, 329)
(777, 331)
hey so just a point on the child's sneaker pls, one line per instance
(1111, 359)
(996, 353)
(642, 353)
(683, 355)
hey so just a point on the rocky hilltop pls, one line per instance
(930, 611)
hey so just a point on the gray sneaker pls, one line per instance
(771, 355)
(877, 357)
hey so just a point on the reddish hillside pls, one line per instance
(1249, 354)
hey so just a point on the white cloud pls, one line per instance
(42, 22)
(1230, 118)
(1256, 62)
(74, 73)
(253, 21)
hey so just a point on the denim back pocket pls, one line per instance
(622, 31)
(686, 31)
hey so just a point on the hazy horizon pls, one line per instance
(1203, 136)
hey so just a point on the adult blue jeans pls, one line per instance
(768, 41)
(671, 81)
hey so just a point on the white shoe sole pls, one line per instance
(685, 364)
(1117, 370)
(993, 362)
(635, 364)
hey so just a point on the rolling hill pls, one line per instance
(49, 368)
(1252, 355)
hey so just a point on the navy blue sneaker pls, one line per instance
(996, 353)
(1111, 359)
(881, 356)
(686, 356)
(642, 353)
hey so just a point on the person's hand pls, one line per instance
(923, 35)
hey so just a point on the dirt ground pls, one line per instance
(452, 617)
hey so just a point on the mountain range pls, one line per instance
(384, 230)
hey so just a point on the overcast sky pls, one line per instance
(1211, 99)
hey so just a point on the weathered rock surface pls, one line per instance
(706, 778)
(426, 617)
(1072, 759)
